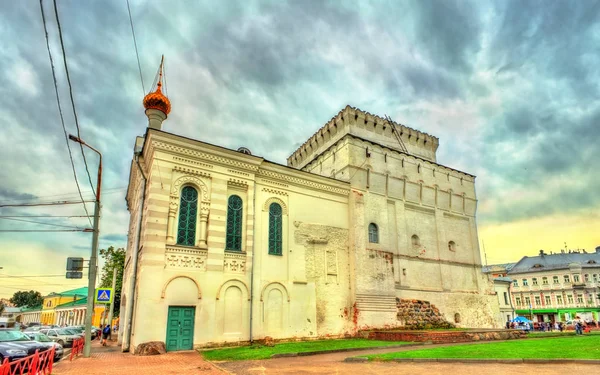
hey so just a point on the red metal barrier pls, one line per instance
(36, 364)
(76, 349)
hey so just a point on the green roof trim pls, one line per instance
(79, 302)
(29, 309)
(83, 291)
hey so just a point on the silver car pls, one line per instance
(41, 338)
(62, 336)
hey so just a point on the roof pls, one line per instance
(498, 267)
(504, 279)
(556, 261)
(79, 302)
(28, 309)
(83, 291)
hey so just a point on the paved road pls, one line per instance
(332, 364)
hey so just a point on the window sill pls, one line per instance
(200, 247)
(278, 255)
(235, 251)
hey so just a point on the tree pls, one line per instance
(27, 299)
(113, 259)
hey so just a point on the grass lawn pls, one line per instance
(264, 352)
(571, 347)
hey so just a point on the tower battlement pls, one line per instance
(365, 125)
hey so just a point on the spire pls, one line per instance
(156, 103)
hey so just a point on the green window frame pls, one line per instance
(275, 225)
(188, 214)
(233, 238)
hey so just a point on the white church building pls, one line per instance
(225, 246)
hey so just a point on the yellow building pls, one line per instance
(62, 308)
(53, 300)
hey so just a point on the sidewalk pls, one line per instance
(109, 360)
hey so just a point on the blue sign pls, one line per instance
(103, 295)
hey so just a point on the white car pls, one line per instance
(40, 337)
(62, 336)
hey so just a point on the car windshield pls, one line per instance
(64, 332)
(71, 331)
(13, 336)
(40, 337)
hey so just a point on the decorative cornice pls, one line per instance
(203, 155)
(273, 191)
(274, 183)
(237, 183)
(238, 172)
(191, 171)
(188, 161)
(304, 182)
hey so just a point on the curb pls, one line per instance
(484, 360)
(304, 354)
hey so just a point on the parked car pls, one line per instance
(43, 339)
(15, 345)
(63, 337)
(75, 331)
(82, 329)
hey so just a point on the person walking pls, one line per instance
(105, 333)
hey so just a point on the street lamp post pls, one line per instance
(94, 257)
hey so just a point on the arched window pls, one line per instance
(373, 233)
(452, 246)
(414, 240)
(275, 224)
(188, 212)
(233, 239)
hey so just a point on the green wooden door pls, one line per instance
(180, 328)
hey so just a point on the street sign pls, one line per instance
(74, 275)
(103, 295)
(74, 264)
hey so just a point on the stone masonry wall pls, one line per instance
(417, 314)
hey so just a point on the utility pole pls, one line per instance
(87, 349)
(112, 303)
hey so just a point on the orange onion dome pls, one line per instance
(156, 100)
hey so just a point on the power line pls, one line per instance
(41, 197)
(45, 230)
(136, 48)
(62, 120)
(5, 276)
(62, 45)
(41, 223)
(47, 204)
(43, 216)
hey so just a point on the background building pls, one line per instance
(62, 308)
(557, 286)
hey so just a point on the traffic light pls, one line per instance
(74, 264)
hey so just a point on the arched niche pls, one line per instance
(276, 285)
(239, 283)
(197, 293)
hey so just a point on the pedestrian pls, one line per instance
(105, 333)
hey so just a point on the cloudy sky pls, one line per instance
(510, 88)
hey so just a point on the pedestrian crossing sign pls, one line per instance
(103, 295)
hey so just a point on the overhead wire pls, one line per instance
(45, 230)
(41, 197)
(62, 120)
(47, 204)
(136, 48)
(43, 216)
(41, 223)
(62, 44)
